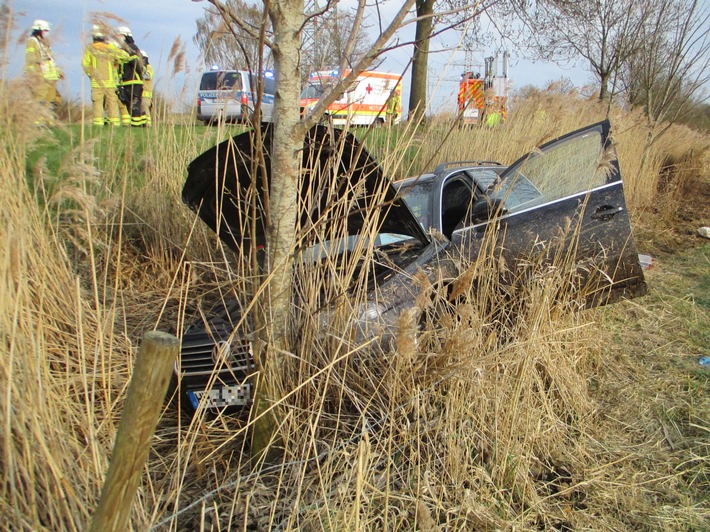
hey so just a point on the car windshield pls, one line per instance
(417, 196)
(352, 243)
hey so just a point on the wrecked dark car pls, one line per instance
(415, 225)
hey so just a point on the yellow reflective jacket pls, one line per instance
(39, 60)
(148, 81)
(101, 62)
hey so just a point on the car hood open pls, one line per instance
(225, 186)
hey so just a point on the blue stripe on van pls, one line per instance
(211, 95)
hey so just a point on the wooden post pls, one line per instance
(144, 402)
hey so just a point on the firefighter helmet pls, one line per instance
(125, 31)
(97, 32)
(144, 54)
(40, 25)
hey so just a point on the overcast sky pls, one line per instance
(156, 24)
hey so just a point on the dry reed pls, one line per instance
(486, 419)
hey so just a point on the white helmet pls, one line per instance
(144, 54)
(125, 31)
(97, 32)
(40, 25)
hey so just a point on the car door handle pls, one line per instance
(606, 212)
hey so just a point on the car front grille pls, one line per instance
(205, 352)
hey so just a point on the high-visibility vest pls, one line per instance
(39, 59)
(148, 81)
(101, 61)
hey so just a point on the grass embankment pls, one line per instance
(548, 419)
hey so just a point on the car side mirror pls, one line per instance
(486, 208)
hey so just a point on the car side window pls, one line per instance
(571, 166)
(456, 197)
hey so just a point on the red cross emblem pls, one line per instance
(368, 88)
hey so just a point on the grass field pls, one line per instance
(592, 420)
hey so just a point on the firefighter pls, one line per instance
(494, 118)
(130, 85)
(41, 70)
(101, 62)
(393, 106)
(147, 99)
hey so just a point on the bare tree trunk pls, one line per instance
(604, 86)
(420, 60)
(287, 19)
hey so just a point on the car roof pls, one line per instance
(423, 178)
(463, 165)
(444, 169)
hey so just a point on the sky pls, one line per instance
(156, 24)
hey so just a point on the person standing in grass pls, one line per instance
(147, 97)
(130, 86)
(101, 62)
(393, 107)
(40, 68)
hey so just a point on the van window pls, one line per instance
(212, 81)
(269, 84)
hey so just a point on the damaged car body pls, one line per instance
(566, 195)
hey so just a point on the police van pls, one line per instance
(231, 95)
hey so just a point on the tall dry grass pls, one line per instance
(484, 420)
(545, 115)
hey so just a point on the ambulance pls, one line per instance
(365, 102)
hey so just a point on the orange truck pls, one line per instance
(373, 98)
(470, 98)
(484, 100)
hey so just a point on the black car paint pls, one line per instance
(593, 225)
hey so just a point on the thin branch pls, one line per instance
(358, 68)
(229, 14)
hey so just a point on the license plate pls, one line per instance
(221, 396)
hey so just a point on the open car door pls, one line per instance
(564, 201)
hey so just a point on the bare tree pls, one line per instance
(231, 45)
(327, 37)
(420, 59)
(667, 75)
(289, 131)
(603, 33)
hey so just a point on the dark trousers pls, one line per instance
(130, 96)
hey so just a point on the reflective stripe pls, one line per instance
(100, 63)
(39, 59)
